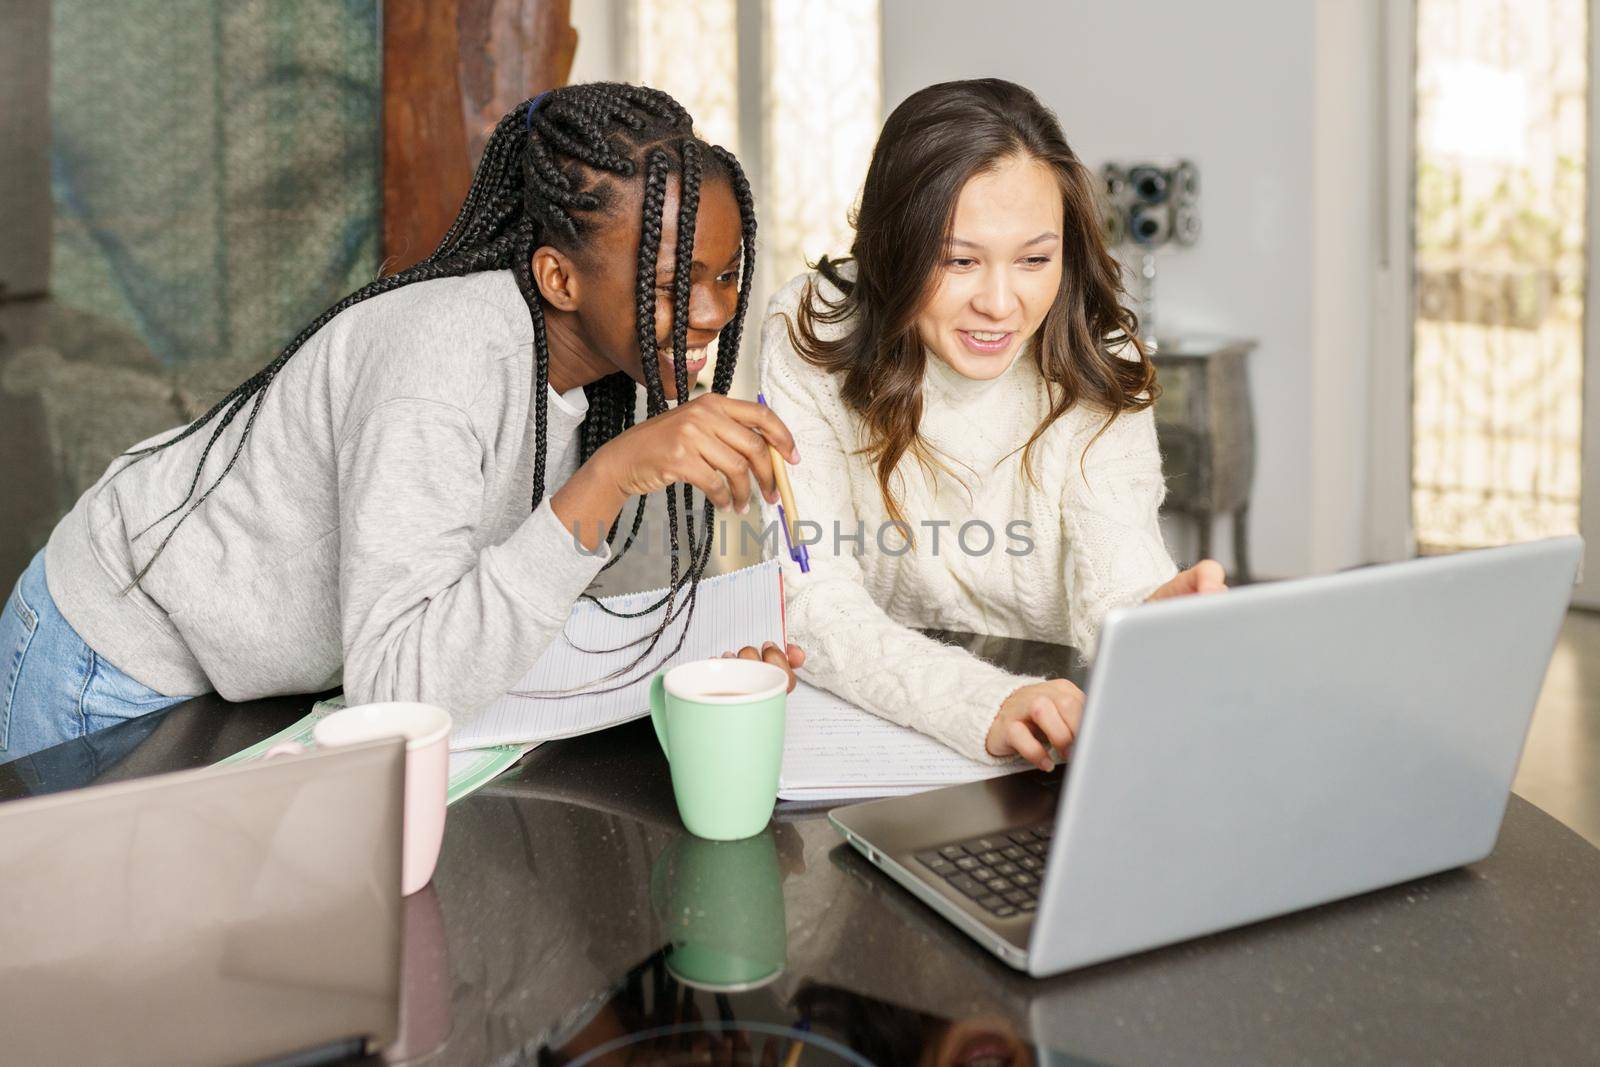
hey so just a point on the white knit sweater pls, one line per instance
(1095, 541)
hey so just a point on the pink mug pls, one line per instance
(427, 732)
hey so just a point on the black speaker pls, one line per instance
(1150, 205)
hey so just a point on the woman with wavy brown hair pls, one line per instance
(974, 409)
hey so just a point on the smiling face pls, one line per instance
(978, 1042)
(1001, 270)
(607, 310)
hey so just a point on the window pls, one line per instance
(801, 108)
(822, 104)
(1501, 233)
(691, 50)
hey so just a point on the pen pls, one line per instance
(786, 509)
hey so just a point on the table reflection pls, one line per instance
(559, 878)
(653, 1017)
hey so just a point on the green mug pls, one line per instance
(720, 723)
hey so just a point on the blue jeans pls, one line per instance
(53, 686)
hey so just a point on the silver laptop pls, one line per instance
(1249, 754)
(224, 915)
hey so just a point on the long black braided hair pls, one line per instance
(548, 174)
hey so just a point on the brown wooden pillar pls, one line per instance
(451, 68)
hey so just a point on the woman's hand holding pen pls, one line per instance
(712, 442)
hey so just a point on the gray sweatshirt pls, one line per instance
(375, 531)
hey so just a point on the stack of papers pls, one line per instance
(575, 687)
(832, 749)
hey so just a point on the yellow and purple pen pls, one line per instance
(787, 515)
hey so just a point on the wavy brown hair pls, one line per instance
(930, 147)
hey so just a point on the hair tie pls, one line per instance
(528, 121)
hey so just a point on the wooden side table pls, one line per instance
(1207, 432)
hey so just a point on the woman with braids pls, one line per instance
(410, 498)
(975, 411)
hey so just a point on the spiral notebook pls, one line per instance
(833, 750)
(587, 680)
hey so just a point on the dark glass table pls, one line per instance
(573, 920)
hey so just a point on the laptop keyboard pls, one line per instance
(1001, 872)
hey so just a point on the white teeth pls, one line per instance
(985, 336)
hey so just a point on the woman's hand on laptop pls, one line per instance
(1207, 576)
(1035, 719)
(790, 659)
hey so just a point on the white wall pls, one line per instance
(1243, 88)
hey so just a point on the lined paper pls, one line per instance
(561, 695)
(833, 750)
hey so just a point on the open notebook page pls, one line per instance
(558, 697)
(834, 750)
